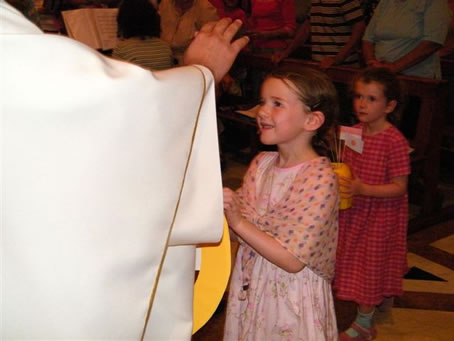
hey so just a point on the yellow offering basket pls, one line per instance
(212, 280)
(342, 169)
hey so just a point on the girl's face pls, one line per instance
(281, 115)
(370, 104)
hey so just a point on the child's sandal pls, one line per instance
(365, 334)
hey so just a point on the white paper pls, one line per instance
(95, 27)
(355, 143)
(106, 23)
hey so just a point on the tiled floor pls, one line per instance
(426, 310)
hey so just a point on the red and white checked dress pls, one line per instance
(371, 257)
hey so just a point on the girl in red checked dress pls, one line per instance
(371, 255)
(285, 215)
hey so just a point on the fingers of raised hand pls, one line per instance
(238, 44)
(212, 47)
(224, 26)
(227, 30)
(209, 27)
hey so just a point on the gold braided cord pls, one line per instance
(155, 285)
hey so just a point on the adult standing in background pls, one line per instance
(270, 24)
(404, 36)
(103, 166)
(180, 19)
(139, 32)
(369, 8)
(335, 29)
(448, 49)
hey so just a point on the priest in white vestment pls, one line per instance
(103, 164)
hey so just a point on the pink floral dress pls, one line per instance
(298, 207)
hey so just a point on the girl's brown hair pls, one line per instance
(317, 92)
(392, 88)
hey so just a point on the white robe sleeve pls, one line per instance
(93, 153)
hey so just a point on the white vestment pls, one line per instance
(93, 155)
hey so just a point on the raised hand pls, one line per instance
(213, 47)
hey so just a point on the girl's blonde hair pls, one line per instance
(317, 92)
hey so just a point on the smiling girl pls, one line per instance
(285, 215)
(371, 255)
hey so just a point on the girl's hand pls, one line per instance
(232, 208)
(354, 186)
(350, 186)
(260, 241)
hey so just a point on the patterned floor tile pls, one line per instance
(415, 325)
(445, 244)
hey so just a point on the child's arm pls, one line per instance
(355, 186)
(260, 241)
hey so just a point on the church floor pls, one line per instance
(426, 310)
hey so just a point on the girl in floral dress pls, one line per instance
(371, 256)
(285, 215)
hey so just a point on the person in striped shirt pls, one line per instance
(335, 28)
(139, 31)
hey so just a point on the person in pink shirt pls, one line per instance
(270, 24)
(285, 217)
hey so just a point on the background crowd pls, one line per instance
(406, 36)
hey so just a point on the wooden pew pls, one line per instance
(447, 67)
(427, 140)
(447, 70)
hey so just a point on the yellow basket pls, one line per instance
(342, 169)
(212, 279)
